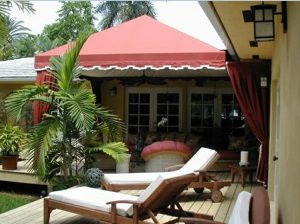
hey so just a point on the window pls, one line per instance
(149, 107)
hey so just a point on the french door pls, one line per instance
(155, 109)
(209, 108)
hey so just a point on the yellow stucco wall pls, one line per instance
(115, 103)
(6, 88)
(286, 68)
(272, 143)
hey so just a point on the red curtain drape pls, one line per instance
(253, 99)
(43, 78)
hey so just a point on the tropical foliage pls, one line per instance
(44, 43)
(25, 46)
(16, 30)
(11, 139)
(11, 29)
(64, 136)
(116, 12)
(5, 8)
(73, 18)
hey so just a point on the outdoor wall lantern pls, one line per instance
(263, 20)
(262, 17)
(113, 91)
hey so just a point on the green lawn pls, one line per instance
(10, 201)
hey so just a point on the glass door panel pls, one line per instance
(167, 112)
(202, 112)
(138, 112)
(231, 114)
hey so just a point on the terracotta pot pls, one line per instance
(9, 162)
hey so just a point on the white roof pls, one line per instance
(21, 69)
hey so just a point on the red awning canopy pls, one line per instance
(141, 43)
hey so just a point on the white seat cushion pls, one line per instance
(240, 213)
(94, 199)
(203, 159)
(138, 178)
(97, 198)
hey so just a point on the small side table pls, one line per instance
(243, 171)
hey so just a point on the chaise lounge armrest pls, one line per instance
(188, 220)
(174, 167)
(136, 203)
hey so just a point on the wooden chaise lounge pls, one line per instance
(200, 163)
(249, 209)
(113, 207)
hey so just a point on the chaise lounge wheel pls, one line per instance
(199, 190)
(216, 196)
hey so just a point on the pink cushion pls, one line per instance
(260, 207)
(166, 146)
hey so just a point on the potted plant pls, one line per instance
(11, 140)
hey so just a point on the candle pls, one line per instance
(244, 158)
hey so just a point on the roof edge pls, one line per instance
(213, 16)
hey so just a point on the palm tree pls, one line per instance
(14, 31)
(115, 12)
(5, 8)
(72, 116)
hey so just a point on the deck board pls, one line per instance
(33, 213)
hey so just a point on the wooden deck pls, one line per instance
(21, 175)
(33, 213)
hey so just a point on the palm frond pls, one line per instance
(69, 69)
(16, 30)
(24, 6)
(80, 107)
(44, 43)
(116, 150)
(41, 138)
(43, 99)
(109, 12)
(111, 122)
(16, 101)
(5, 7)
(56, 68)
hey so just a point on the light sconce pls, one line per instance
(263, 81)
(263, 20)
(262, 17)
(113, 91)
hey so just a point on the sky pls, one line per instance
(186, 16)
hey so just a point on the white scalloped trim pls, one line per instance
(100, 68)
